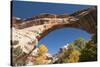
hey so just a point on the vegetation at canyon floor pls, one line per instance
(78, 51)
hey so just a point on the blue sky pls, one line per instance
(57, 38)
(61, 37)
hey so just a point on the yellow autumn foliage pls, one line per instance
(42, 49)
(74, 56)
(41, 60)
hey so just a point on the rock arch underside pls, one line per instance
(27, 32)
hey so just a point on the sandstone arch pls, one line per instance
(84, 19)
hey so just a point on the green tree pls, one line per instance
(89, 53)
(80, 43)
(70, 55)
(73, 56)
(62, 56)
(94, 39)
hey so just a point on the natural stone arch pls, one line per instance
(43, 24)
(26, 31)
(84, 19)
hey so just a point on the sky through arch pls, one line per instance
(60, 37)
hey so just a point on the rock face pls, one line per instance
(26, 33)
(84, 19)
(87, 19)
